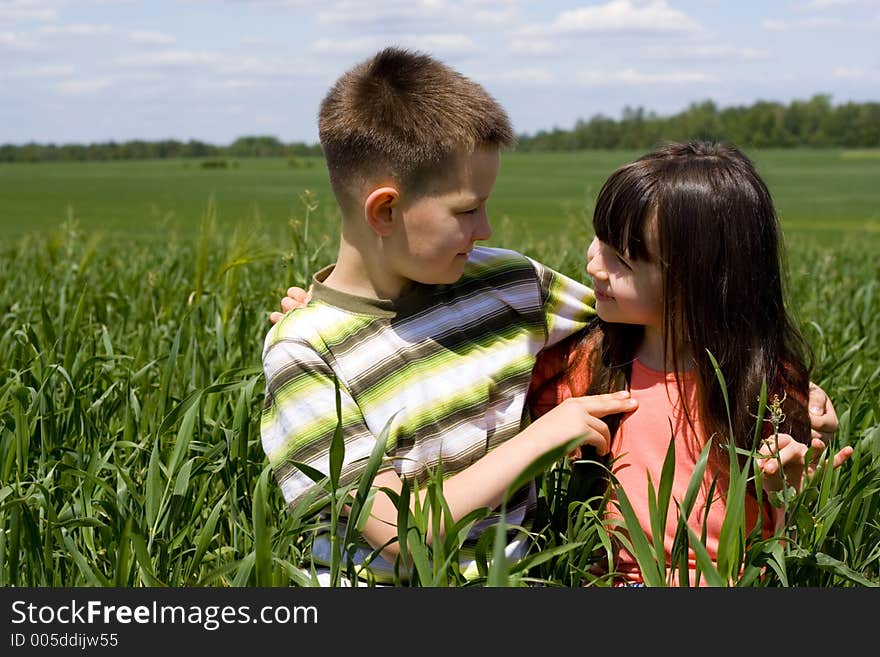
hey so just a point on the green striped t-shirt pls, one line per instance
(449, 363)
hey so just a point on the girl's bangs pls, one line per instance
(622, 207)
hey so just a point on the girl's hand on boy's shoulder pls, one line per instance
(296, 298)
(784, 461)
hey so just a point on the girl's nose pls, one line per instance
(482, 229)
(595, 271)
(595, 261)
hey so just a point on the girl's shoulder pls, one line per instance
(562, 371)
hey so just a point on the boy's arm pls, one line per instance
(299, 419)
(486, 481)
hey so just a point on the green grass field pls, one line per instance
(816, 190)
(131, 386)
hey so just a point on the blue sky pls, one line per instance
(214, 70)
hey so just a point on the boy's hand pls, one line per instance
(823, 419)
(785, 451)
(579, 416)
(296, 298)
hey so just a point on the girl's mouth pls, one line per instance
(601, 296)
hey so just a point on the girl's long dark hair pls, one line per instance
(720, 252)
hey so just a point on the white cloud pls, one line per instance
(261, 67)
(75, 29)
(151, 38)
(83, 87)
(26, 11)
(630, 76)
(436, 44)
(441, 43)
(619, 16)
(13, 41)
(535, 47)
(704, 51)
(237, 67)
(227, 86)
(356, 46)
(531, 75)
(821, 5)
(48, 71)
(172, 58)
(428, 13)
(259, 41)
(856, 74)
(849, 73)
(812, 23)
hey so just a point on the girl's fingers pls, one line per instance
(769, 446)
(823, 419)
(792, 456)
(769, 467)
(598, 435)
(299, 295)
(842, 456)
(296, 298)
(602, 405)
(275, 316)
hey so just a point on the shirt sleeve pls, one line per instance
(547, 387)
(568, 304)
(300, 417)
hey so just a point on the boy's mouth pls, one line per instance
(601, 296)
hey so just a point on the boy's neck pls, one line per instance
(355, 274)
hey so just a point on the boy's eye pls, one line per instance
(471, 211)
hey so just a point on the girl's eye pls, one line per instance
(622, 261)
(471, 211)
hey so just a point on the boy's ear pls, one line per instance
(377, 209)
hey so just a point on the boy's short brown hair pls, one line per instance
(401, 115)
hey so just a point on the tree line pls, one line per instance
(252, 146)
(815, 123)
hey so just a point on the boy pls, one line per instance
(415, 322)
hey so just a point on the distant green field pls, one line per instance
(824, 190)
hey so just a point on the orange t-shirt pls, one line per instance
(638, 449)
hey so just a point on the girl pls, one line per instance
(686, 262)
